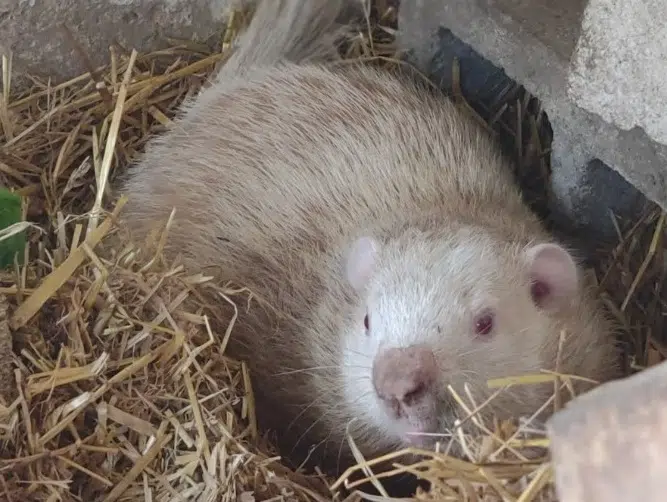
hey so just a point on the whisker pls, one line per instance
(304, 410)
(340, 452)
(367, 356)
(324, 415)
(472, 351)
(303, 370)
(305, 433)
(313, 449)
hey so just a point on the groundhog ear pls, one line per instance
(554, 275)
(361, 262)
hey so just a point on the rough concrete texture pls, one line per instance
(610, 444)
(31, 29)
(532, 41)
(619, 66)
(593, 189)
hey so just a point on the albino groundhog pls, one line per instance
(382, 233)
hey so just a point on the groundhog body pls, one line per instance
(364, 214)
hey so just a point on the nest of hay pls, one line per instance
(116, 391)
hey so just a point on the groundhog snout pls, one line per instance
(405, 378)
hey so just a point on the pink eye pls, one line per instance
(484, 324)
(366, 323)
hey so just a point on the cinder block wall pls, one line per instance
(598, 66)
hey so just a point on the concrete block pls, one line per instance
(619, 66)
(610, 444)
(31, 29)
(532, 43)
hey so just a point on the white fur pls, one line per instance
(361, 262)
(275, 172)
(431, 295)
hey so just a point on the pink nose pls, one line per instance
(405, 376)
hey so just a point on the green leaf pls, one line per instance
(10, 213)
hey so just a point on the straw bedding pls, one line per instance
(117, 388)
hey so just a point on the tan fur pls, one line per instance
(274, 170)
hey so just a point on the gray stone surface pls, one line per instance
(592, 191)
(555, 24)
(532, 41)
(619, 66)
(610, 444)
(31, 29)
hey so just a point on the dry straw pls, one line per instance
(117, 392)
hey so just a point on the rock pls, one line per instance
(619, 66)
(31, 29)
(585, 196)
(610, 444)
(532, 42)
(595, 195)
